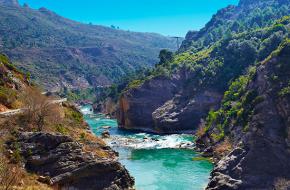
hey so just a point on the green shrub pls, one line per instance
(16, 156)
(82, 137)
(7, 96)
(285, 91)
(135, 84)
(74, 115)
(61, 129)
(4, 59)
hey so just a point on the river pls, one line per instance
(157, 162)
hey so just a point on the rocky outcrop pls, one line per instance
(138, 104)
(64, 164)
(189, 38)
(261, 151)
(182, 114)
(10, 76)
(166, 105)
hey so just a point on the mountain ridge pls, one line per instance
(77, 55)
(236, 19)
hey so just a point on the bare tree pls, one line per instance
(39, 109)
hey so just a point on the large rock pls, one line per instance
(65, 163)
(166, 104)
(138, 104)
(183, 114)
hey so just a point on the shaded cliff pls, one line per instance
(135, 108)
(254, 120)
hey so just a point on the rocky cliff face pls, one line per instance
(260, 141)
(65, 164)
(166, 104)
(136, 108)
(182, 114)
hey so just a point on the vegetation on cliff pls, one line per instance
(226, 59)
(11, 81)
(239, 102)
(247, 16)
(199, 79)
(254, 121)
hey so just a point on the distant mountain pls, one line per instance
(60, 52)
(9, 2)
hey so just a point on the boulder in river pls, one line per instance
(106, 134)
(106, 127)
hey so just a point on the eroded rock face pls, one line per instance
(183, 114)
(189, 38)
(65, 163)
(166, 105)
(138, 104)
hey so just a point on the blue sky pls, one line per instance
(167, 17)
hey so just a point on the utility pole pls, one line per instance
(177, 40)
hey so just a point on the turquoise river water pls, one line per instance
(156, 162)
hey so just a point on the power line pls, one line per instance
(177, 40)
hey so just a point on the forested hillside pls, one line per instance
(61, 53)
(247, 16)
(196, 81)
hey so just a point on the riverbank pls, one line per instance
(63, 155)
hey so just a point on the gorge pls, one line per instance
(213, 114)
